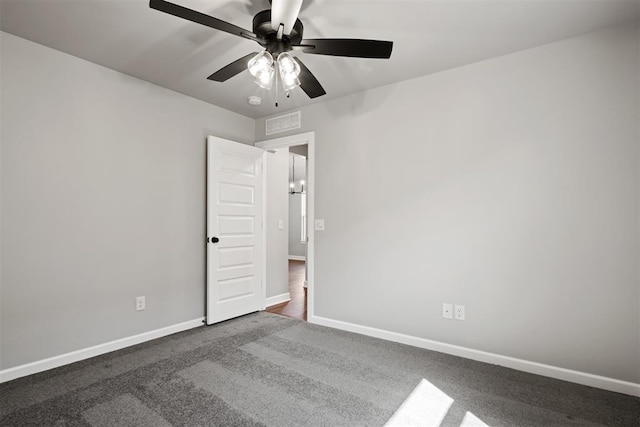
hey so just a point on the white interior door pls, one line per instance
(234, 229)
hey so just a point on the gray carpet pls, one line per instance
(269, 370)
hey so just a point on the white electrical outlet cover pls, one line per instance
(459, 312)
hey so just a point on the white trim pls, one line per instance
(289, 141)
(263, 231)
(297, 258)
(86, 353)
(578, 377)
(278, 299)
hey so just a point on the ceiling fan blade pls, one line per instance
(201, 18)
(357, 48)
(284, 12)
(230, 70)
(308, 82)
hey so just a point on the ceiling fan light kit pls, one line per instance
(278, 37)
(262, 68)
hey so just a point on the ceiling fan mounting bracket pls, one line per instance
(263, 29)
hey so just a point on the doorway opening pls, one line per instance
(296, 229)
(297, 258)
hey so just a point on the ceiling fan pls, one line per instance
(279, 31)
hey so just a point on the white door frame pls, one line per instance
(285, 142)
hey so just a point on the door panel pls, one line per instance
(236, 194)
(234, 216)
(229, 225)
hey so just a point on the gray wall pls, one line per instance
(296, 248)
(277, 239)
(103, 200)
(510, 186)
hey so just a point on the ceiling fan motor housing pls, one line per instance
(262, 28)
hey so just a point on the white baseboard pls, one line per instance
(86, 353)
(278, 299)
(577, 377)
(297, 258)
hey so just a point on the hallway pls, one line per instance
(297, 307)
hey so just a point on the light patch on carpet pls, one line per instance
(471, 420)
(427, 405)
(123, 411)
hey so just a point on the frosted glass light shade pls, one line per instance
(289, 71)
(265, 78)
(261, 67)
(260, 63)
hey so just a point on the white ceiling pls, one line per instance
(429, 36)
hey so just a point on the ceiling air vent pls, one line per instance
(283, 123)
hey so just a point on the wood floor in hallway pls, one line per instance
(297, 307)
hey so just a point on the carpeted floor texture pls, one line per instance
(269, 370)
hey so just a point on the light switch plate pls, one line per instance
(280, 224)
(319, 224)
(447, 311)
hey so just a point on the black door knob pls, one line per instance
(214, 240)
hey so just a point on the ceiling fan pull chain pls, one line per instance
(276, 77)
